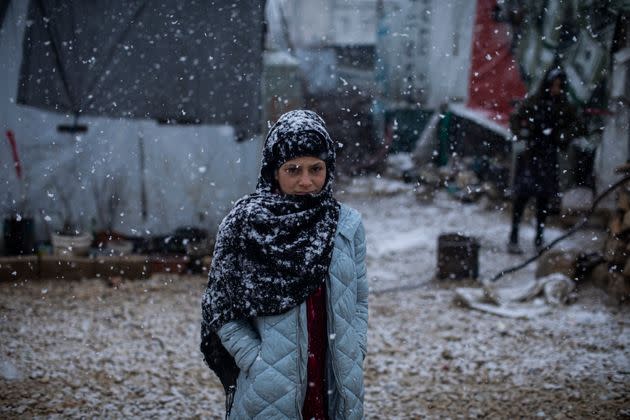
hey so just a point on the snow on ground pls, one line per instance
(83, 349)
(402, 232)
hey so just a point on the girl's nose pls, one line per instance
(305, 180)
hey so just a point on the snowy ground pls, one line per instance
(84, 349)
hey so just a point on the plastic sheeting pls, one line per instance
(423, 51)
(614, 149)
(495, 82)
(320, 23)
(574, 34)
(191, 176)
(195, 61)
(519, 301)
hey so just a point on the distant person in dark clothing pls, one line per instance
(547, 123)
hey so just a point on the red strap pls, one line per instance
(16, 158)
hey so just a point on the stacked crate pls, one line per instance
(614, 274)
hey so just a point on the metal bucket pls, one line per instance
(458, 257)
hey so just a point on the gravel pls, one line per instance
(85, 349)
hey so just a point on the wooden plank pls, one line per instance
(599, 275)
(174, 264)
(623, 169)
(623, 200)
(625, 223)
(124, 266)
(17, 268)
(615, 251)
(618, 287)
(615, 224)
(66, 267)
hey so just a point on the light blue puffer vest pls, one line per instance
(271, 351)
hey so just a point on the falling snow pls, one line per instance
(84, 347)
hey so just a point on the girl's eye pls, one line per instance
(316, 169)
(292, 170)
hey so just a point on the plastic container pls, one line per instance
(78, 245)
(458, 257)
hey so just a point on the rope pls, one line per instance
(525, 263)
(402, 288)
(570, 232)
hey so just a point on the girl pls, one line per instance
(287, 294)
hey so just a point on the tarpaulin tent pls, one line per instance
(614, 149)
(451, 57)
(423, 51)
(482, 56)
(576, 35)
(495, 82)
(195, 62)
(124, 69)
(580, 37)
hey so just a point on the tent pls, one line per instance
(481, 56)
(155, 103)
(614, 149)
(443, 56)
(589, 40)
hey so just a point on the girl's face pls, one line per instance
(302, 175)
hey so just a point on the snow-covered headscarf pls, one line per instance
(273, 250)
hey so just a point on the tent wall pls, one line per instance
(423, 50)
(450, 52)
(192, 173)
(320, 23)
(614, 149)
(195, 61)
(333, 41)
(576, 35)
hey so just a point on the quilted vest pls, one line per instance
(271, 351)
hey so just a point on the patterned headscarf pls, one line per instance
(274, 250)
